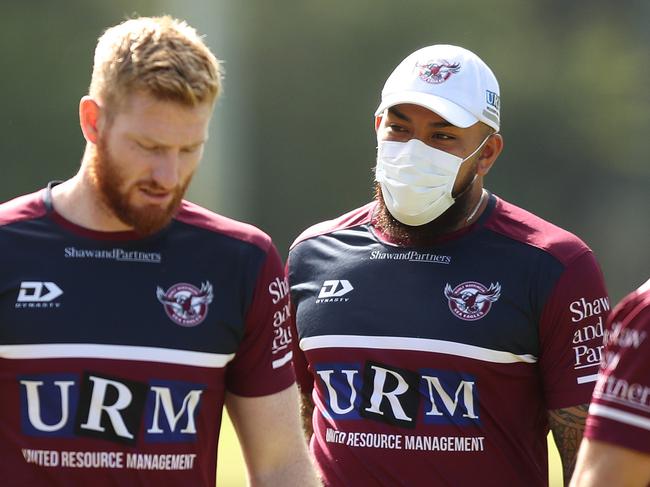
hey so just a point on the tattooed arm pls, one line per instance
(567, 426)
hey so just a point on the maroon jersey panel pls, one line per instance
(265, 351)
(23, 208)
(571, 333)
(620, 409)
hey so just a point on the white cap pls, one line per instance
(448, 80)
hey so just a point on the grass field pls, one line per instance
(230, 470)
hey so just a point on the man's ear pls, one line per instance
(89, 116)
(489, 154)
(378, 119)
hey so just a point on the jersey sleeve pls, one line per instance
(620, 408)
(571, 333)
(300, 364)
(262, 364)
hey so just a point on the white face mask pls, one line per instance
(417, 180)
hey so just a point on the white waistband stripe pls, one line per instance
(414, 344)
(115, 352)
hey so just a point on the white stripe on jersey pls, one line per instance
(620, 416)
(414, 344)
(645, 287)
(115, 352)
(587, 378)
(281, 361)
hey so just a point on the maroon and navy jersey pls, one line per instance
(116, 352)
(437, 365)
(620, 408)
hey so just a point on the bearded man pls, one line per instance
(439, 331)
(128, 316)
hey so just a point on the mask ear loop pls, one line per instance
(471, 183)
(480, 146)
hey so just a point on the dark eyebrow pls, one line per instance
(394, 111)
(442, 124)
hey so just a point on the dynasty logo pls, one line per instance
(38, 294)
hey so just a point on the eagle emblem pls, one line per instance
(185, 304)
(436, 72)
(471, 301)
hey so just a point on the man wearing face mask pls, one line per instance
(440, 331)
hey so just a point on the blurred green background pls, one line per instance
(292, 140)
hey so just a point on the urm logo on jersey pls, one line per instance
(398, 396)
(108, 408)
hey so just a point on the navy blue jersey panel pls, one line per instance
(113, 286)
(402, 291)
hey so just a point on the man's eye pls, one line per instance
(148, 148)
(442, 137)
(396, 128)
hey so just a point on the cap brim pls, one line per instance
(448, 110)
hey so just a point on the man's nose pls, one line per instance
(166, 170)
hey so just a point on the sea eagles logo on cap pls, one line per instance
(437, 72)
(471, 301)
(185, 304)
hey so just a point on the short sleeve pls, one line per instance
(262, 364)
(620, 408)
(571, 333)
(300, 364)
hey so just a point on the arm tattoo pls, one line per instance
(567, 426)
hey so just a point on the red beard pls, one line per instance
(144, 220)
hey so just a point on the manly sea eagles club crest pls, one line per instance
(436, 72)
(185, 304)
(471, 301)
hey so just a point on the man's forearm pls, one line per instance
(300, 472)
(307, 412)
(567, 425)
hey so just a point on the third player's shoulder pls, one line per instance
(358, 216)
(521, 225)
(642, 294)
(635, 307)
(207, 220)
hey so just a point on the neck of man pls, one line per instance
(466, 210)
